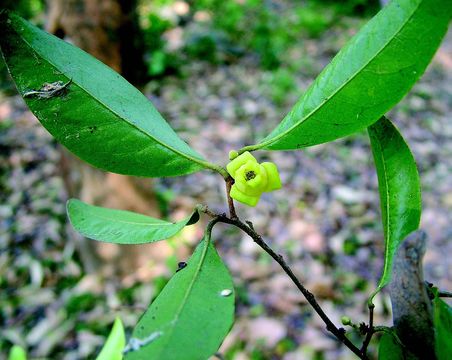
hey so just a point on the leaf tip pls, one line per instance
(70, 203)
(194, 217)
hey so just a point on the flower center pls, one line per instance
(250, 175)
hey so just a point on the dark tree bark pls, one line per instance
(107, 30)
(411, 305)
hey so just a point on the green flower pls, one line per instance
(252, 179)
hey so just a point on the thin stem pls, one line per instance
(248, 229)
(370, 329)
(219, 169)
(210, 226)
(340, 334)
(445, 294)
(248, 148)
(229, 183)
(206, 210)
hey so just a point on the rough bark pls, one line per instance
(107, 30)
(411, 305)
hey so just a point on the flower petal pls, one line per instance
(260, 181)
(273, 179)
(240, 160)
(249, 200)
(247, 190)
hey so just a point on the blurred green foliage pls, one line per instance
(219, 31)
(278, 83)
(158, 60)
(28, 9)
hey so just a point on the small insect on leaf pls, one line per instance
(49, 90)
(181, 266)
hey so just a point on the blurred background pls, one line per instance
(223, 74)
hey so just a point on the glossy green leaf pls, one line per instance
(116, 341)
(122, 227)
(389, 348)
(191, 316)
(367, 77)
(91, 109)
(17, 353)
(399, 187)
(442, 321)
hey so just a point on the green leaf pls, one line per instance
(121, 227)
(389, 348)
(115, 343)
(17, 353)
(191, 316)
(399, 187)
(367, 77)
(442, 321)
(91, 109)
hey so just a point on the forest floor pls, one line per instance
(325, 219)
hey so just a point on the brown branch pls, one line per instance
(339, 333)
(411, 306)
(229, 183)
(445, 294)
(370, 329)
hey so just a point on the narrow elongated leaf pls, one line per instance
(89, 108)
(121, 227)
(399, 187)
(115, 343)
(191, 316)
(442, 321)
(367, 77)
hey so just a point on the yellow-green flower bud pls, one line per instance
(233, 154)
(346, 320)
(252, 179)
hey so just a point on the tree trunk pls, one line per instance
(411, 305)
(107, 30)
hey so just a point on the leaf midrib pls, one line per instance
(188, 291)
(135, 223)
(163, 223)
(196, 160)
(309, 116)
(389, 239)
(387, 225)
